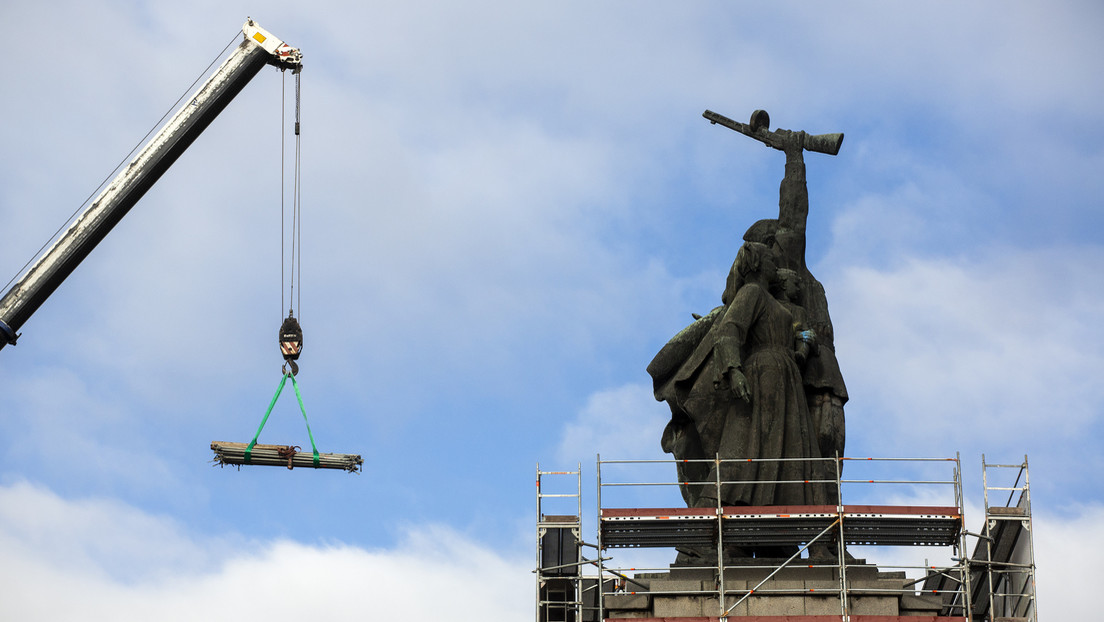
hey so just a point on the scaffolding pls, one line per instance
(793, 529)
(1001, 569)
(819, 580)
(560, 591)
(1006, 551)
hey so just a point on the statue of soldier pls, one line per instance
(697, 424)
(824, 386)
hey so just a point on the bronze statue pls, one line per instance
(757, 377)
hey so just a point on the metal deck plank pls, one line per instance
(862, 524)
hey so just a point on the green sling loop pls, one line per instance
(299, 396)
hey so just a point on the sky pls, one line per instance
(508, 208)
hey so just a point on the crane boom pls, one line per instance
(258, 48)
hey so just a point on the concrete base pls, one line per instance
(688, 593)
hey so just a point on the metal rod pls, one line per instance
(720, 540)
(901, 459)
(897, 481)
(601, 569)
(845, 606)
(540, 519)
(282, 455)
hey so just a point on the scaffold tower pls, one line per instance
(1009, 554)
(815, 578)
(559, 538)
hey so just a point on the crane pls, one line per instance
(257, 49)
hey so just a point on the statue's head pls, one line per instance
(755, 262)
(756, 258)
(762, 231)
(787, 285)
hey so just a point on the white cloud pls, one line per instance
(621, 423)
(996, 349)
(1067, 573)
(98, 559)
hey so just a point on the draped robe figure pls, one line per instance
(704, 417)
(752, 337)
(824, 387)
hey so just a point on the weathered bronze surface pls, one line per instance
(757, 376)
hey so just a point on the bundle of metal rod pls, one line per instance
(282, 455)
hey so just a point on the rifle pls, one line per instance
(778, 139)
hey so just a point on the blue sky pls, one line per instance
(508, 209)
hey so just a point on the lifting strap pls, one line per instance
(299, 396)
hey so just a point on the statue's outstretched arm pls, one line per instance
(793, 200)
(793, 194)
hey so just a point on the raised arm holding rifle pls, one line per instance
(824, 386)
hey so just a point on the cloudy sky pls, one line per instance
(508, 209)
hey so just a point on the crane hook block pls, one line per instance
(291, 338)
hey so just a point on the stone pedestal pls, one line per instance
(793, 591)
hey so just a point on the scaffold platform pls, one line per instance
(879, 525)
(729, 562)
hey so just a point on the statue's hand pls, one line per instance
(739, 384)
(805, 344)
(788, 141)
(801, 353)
(807, 335)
